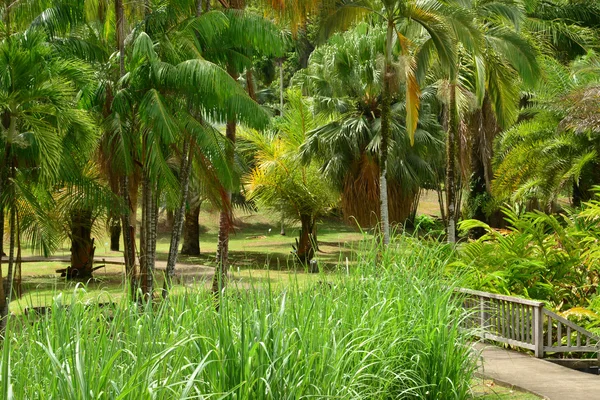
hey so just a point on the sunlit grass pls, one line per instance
(386, 329)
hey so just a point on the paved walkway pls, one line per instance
(537, 376)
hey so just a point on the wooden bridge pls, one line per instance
(529, 325)
(524, 323)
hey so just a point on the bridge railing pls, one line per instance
(524, 323)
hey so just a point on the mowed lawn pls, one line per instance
(258, 255)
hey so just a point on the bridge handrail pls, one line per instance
(495, 296)
(524, 323)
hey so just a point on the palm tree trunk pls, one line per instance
(127, 227)
(451, 164)
(82, 245)
(305, 248)
(282, 230)
(9, 273)
(191, 231)
(115, 235)
(225, 221)
(385, 133)
(186, 162)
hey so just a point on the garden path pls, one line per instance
(538, 376)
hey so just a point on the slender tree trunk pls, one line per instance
(191, 231)
(451, 163)
(186, 163)
(128, 229)
(282, 230)
(225, 221)
(9, 272)
(170, 219)
(385, 133)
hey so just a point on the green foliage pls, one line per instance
(280, 180)
(540, 256)
(386, 331)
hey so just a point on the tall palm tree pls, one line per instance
(345, 82)
(38, 93)
(502, 61)
(401, 18)
(247, 36)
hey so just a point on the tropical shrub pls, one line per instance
(540, 256)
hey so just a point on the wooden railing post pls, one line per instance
(538, 331)
(482, 316)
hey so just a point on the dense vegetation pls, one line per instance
(120, 117)
(386, 332)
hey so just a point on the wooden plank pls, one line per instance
(528, 327)
(538, 332)
(559, 334)
(522, 315)
(503, 303)
(568, 336)
(498, 317)
(510, 342)
(549, 331)
(578, 339)
(571, 324)
(566, 349)
(511, 299)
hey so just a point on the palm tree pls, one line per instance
(345, 83)
(177, 96)
(38, 106)
(281, 181)
(555, 150)
(429, 20)
(247, 36)
(493, 72)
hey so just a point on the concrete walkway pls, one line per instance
(539, 377)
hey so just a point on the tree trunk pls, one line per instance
(305, 246)
(191, 232)
(127, 227)
(451, 164)
(9, 273)
(115, 235)
(225, 221)
(170, 219)
(385, 133)
(186, 163)
(82, 245)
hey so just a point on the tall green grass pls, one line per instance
(387, 330)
